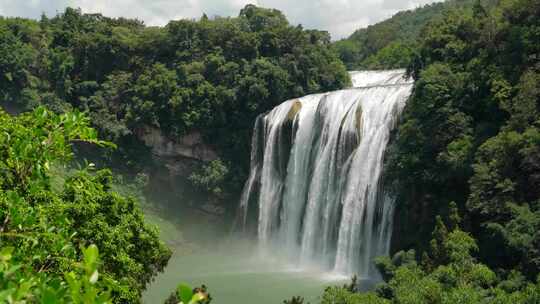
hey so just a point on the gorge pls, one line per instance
(312, 212)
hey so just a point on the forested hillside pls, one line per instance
(390, 44)
(470, 131)
(466, 157)
(210, 75)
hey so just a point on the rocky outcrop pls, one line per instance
(188, 146)
(174, 161)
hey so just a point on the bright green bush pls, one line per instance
(44, 233)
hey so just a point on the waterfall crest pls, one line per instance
(316, 166)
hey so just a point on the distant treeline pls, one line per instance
(391, 43)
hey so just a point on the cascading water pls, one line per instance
(315, 170)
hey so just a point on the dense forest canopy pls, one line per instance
(470, 131)
(211, 75)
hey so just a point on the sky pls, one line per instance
(339, 17)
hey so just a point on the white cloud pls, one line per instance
(339, 17)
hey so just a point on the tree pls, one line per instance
(53, 230)
(212, 76)
(469, 132)
(210, 177)
(458, 278)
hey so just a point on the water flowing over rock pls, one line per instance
(315, 175)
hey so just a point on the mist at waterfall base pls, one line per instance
(204, 252)
(313, 204)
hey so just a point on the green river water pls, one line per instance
(205, 253)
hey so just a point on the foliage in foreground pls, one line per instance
(184, 294)
(448, 273)
(17, 285)
(44, 233)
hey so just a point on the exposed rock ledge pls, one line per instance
(188, 146)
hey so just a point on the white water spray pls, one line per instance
(315, 172)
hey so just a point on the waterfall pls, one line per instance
(316, 166)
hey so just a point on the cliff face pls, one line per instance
(190, 146)
(179, 157)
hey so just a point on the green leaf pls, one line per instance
(185, 293)
(91, 255)
(6, 253)
(24, 289)
(94, 277)
(48, 296)
(12, 270)
(197, 297)
(5, 294)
